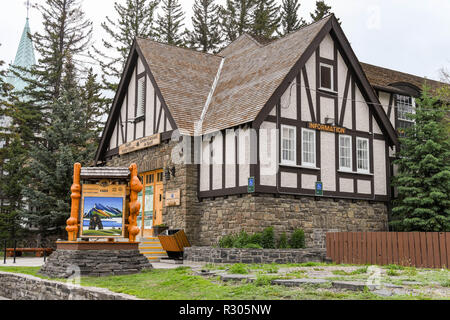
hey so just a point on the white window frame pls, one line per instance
(304, 163)
(331, 67)
(403, 109)
(367, 161)
(141, 92)
(347, 169)
(288, 161)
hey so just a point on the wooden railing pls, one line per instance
(419, 249)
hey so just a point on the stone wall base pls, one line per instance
(281, 256)
(64, 264)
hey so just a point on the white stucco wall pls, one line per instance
(230, 158)
(364, 187)
(328, 164)
(289, 102)
(309, 181)
(288, 180)
(268, 153)
(327, 47)
(379, 158)
(346, 185)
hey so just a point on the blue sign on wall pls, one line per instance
(319, 188)
(251, 184)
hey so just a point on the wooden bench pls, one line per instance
(39, 251)
(174, 244)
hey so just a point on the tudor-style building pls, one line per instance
(241, 140)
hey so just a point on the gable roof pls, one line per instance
(183, 76)
(241, 85)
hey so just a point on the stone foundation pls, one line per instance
(96, 263)
(284, 256)
(316, 216)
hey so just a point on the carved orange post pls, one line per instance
(72, 223)
(135, 206)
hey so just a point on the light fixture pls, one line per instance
(329, 121)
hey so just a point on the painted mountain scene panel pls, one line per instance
(103, 217)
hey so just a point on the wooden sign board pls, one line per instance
(103, 211)
(140, 144)
(173, 198)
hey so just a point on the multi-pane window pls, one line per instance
(140, 111)
(288, 145)
(405, 105)
(345, 153)
(362, 155)
(308, 148)
(326, 76)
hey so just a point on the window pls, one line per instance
(405, 105)
(362, 154)
(288, 145)
(345, 153)
(326, 76)
(308, 148)
(140, 111)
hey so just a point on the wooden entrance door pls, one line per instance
(159, 190)
(149, 198)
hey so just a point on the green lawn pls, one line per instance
(182, 284)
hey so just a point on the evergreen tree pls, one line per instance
(66, 31)
(94, 106)
(236, 18)
(65, 142)
(169, 25)
(321, 11)
(206, 34)
(135, 19)
(290, 21)
(266, 18)
(423, 181)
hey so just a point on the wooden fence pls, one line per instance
(419, 249)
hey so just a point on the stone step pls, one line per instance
(152, 249)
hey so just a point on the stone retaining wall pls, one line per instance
(282, 256)
(94, 263)
(26, 287)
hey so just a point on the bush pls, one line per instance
(268, 238)
(283, 241)
(227, 241)
(241, 240)
(297, 240)
(256, 238)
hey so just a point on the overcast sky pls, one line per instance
(412, 36)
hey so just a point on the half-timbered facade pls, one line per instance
(289, 134)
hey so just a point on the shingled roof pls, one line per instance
(383, 78)
(206, 93)
(250, 74)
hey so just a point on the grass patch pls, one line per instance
(362, 270)
(238, 268)
(32, 271)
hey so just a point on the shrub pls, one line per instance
(238, 268)
(283, 241)
(297, 240)
(268, 238)
(256, 238)
(241, 240)
(227, 241)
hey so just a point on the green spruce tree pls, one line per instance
(266, 19)
(135, 19)
(322, 10)
(423, 181)
(290, 20)
(169, 25)
(236, 18)
(64, 142)
(206, 34)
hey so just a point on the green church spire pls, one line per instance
(24, 57)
